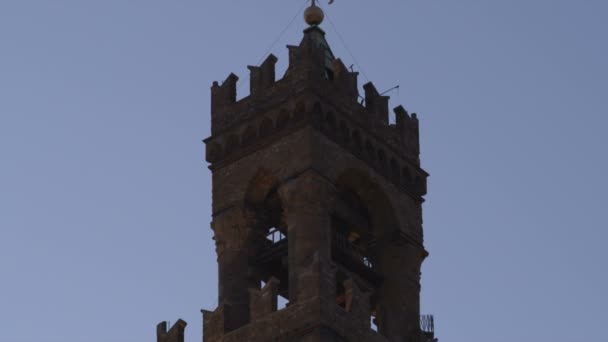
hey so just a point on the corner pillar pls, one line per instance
(307, 201)
(233, 229)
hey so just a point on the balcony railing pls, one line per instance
(354, 257)
(357, 253)
(271, 259)
(427, 326)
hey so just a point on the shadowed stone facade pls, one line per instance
(316, 199)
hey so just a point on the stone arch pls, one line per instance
(387, 256)
(377, 203)
(269, 231)
(260, 185)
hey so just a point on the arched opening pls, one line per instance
(269, 250)
(271, 244)
(352, 234)
(372, 223)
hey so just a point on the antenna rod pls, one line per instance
(393, 88)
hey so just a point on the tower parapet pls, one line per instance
(274, 108)
(375, 104)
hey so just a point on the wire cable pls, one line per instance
(283, 32)
(278, 38)
(346, 47)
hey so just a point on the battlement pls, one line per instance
(264, 301)
(262, 77)
(317, 89)
(175, 334)
(348, 318)
(312, 67)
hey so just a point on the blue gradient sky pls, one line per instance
(105, 195)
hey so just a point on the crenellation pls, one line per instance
(262, 77)
(213, 324)
(264, 301)
(401, 116)
(175, 334)
(376, 104)
(346, 80)
(223, 95)
(408, 130)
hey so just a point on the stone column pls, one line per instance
(307, 202)
(399, 297)
(232, 234)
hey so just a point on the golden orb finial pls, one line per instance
(314, 14)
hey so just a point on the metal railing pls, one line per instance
(355, 252)
(427, 324)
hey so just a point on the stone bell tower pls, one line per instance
(317, 202)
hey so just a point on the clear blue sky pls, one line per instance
(105, 195)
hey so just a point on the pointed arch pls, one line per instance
(261, 184)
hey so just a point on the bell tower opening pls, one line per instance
(271, 246)
(353, 236)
